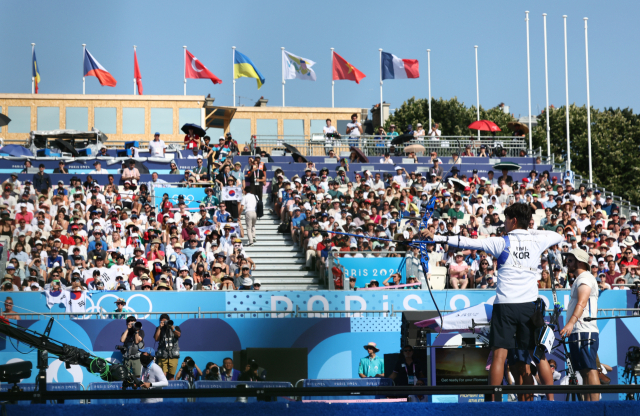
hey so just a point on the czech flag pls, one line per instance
(92, 68)
(396, 68)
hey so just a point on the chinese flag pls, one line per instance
(136, 73)
(195, 69)
(344, 70)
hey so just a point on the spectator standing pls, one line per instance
(41, 180)
(354, 130)
(250, 203)
(371, 366)
(419, 133)
(435, 133)
(328, 143)
(192, 140)
(157, 147)
(152, 376)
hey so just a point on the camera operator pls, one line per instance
(253, 372)
(212, 372)
(228, 372)
(133, 340)
(152, 376)
(167, 336)
(189, 371)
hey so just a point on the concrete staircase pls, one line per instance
(279, 265)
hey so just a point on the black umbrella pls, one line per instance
(291, 149)
(196, 129)
(403, 138)
(298, 158)
(4, 120)
(65, 146)
(458, 184)
(363, 158)
(140, 166)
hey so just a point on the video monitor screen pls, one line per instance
(461, 366)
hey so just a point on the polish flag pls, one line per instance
(92, 68)
(194, 69)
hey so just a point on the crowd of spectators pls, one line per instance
(129, 235)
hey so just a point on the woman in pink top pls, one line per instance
(458, 272)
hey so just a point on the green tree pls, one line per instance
(615, 141)
(452, 116)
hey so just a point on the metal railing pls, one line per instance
(377, 145)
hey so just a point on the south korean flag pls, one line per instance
(232, 193)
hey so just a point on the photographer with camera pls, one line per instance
(212, 372)
(152, 376)
(133, 340)
(189, 371)
(167, 336)
(253, 372)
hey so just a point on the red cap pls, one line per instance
(474, 233)
(466, 188)
(555, 177)
(167, 204)
(525, 180)
(74, 227)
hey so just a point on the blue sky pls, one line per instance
(355, 29)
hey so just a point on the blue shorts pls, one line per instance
(584, 350)
(515, 355)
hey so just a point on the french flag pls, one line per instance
(396, 68)
(92, 68)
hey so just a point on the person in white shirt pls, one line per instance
(157, 147)
(250, 203)
(435, 134)
(401, 176)
(98, 169)
(328, 141)
(583, 335)
(152, 376)
(386, 159)
(518, 256)
(354, 130)
(419, 133)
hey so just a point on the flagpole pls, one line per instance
(333, 83)
(586, 48)
(184, 68)
(84, 46)
(477, 90)
(233, 62)
(134, 71)
(546, 81)
(429, 82)
(381, 110)
(33, 79)
(566, 83)
(529, 81)
(282, 48)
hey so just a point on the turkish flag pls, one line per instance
(344, 70)
(195, 69)
(136, 72)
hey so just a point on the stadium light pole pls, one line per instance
(477, 90)
(586, 48)
(529, 81)
(546, 82)
(566, 83)
(429, 82)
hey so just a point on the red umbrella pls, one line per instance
(484, 125)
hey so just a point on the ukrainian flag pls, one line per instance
(243, 67)
(34, 71)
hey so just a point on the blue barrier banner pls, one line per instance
(367, 269)
(114, 385)
(192, 196)
(207, 384)
(354, 382)
(177, 385)
(50, 387)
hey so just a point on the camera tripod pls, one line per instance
(632, 370)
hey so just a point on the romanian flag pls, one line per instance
(243, 67)
(34, 70)
(92, 68)
(344, 70)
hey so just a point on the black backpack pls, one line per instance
(285, 227)
(259, 207)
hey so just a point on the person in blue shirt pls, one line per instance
(229, 373)
(193, 247)
(60, 189)
(189, 371)
(222, 214)
(54, 257)
(97, 236)
(403, 210)
(371, 366)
